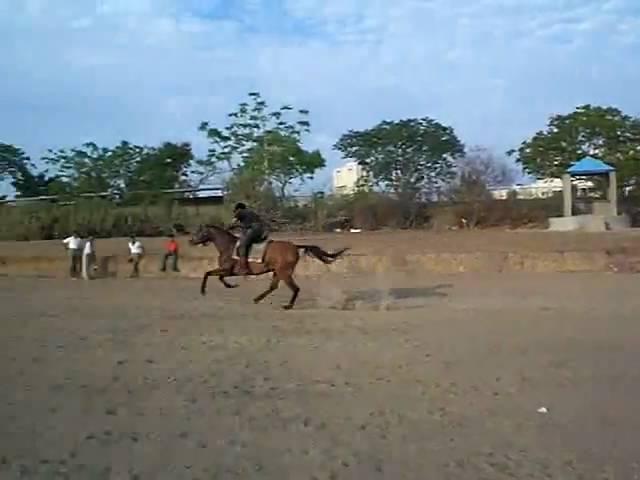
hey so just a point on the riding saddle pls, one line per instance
(256, 251)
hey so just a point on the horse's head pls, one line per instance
(206, 234)
(202, 236)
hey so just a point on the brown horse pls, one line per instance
(280, 258)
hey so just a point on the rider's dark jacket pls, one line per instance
(253, 229)
(247, 219)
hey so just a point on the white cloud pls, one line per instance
(149, 70)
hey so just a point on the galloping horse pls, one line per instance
(280, 258)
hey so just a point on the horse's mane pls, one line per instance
(220, 229)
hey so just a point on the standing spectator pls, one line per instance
(136, 251)
(171, 252)
(88, 257)
(74, 247)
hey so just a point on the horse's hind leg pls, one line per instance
(272, 287)
(288, 279)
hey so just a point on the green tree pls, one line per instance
(280, 160)
(94, 169)
(250, 186)
(603, 132)
(30, 184)
(123, 168)
(12, 159)
(234, 145)
(16, 165)
(161, 168)
(412, 157)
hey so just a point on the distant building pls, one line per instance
(543, 188)
(204, 195)
(185, 196)
(347, 178)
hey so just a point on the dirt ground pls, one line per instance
(384, 242)
(394, 377)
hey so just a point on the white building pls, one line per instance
(347, 178)
(543, 188)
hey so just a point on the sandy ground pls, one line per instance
(391, 377)
(384, 242)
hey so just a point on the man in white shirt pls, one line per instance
(136, 251)
(88, 257)
(74, 246)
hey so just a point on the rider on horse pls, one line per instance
(253, 231)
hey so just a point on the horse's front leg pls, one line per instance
(217, 272)
(226, 264)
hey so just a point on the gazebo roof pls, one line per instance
(589, 166)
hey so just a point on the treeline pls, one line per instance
(258, 156)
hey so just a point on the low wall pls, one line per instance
(117, 267)
(589, 223)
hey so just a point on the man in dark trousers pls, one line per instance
(253, 230)
(171, 252)
(75, 246)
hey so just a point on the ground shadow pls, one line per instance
(404, 293)
(393, 298)
(107, 267)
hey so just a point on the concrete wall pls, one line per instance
(589, 223)
(114, 266)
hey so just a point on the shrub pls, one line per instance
(366, 210)
(45, 221)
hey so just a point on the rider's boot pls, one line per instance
(243, 266)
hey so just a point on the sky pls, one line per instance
(147, 71)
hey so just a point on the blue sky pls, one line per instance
(151, 70)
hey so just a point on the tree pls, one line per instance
(412, 157)
(94, 169)
(234, 145)
(280, 159)
(603, 132)
(12, 159)
(123, 168)
(30, 184)
(481, 164)
(249, 186)
(161, 168)
(16, 165)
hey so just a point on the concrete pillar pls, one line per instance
(566, 195)
(613, 193)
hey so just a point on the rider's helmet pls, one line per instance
(239, 206)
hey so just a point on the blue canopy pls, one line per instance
(589, 166)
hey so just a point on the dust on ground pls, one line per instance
(370, 377)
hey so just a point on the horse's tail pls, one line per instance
(319, 254)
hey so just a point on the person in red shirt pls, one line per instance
(171, 252)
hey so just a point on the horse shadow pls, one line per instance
(401, 298)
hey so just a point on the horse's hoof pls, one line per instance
(203, 293)
(288, 306)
